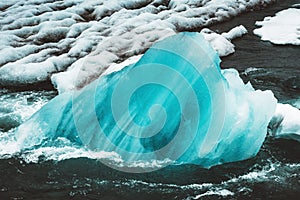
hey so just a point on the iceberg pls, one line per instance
(174, 103)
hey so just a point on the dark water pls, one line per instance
(273, 174)
(279, 65)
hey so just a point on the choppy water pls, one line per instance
(273, 174)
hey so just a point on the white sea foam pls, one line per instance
(66, 150)
(16, 107)
(296, 103)
(62, 149)
(283, 28)
(49, 39)
(252, 70)
(220, 192)
(8, 144)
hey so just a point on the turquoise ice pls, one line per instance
(174, 103)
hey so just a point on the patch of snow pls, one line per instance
(236, 32)
(222, 42)
(283, 28)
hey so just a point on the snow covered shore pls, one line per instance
(73, 42)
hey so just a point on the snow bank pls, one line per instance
(283, 28)
(286, 122)
(102, 61)
(45, 39)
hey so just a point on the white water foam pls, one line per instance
(16, 107)
(220, 192)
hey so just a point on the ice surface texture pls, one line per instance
(174, 103)
(52, 38)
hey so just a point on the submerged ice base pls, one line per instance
(174, 103)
